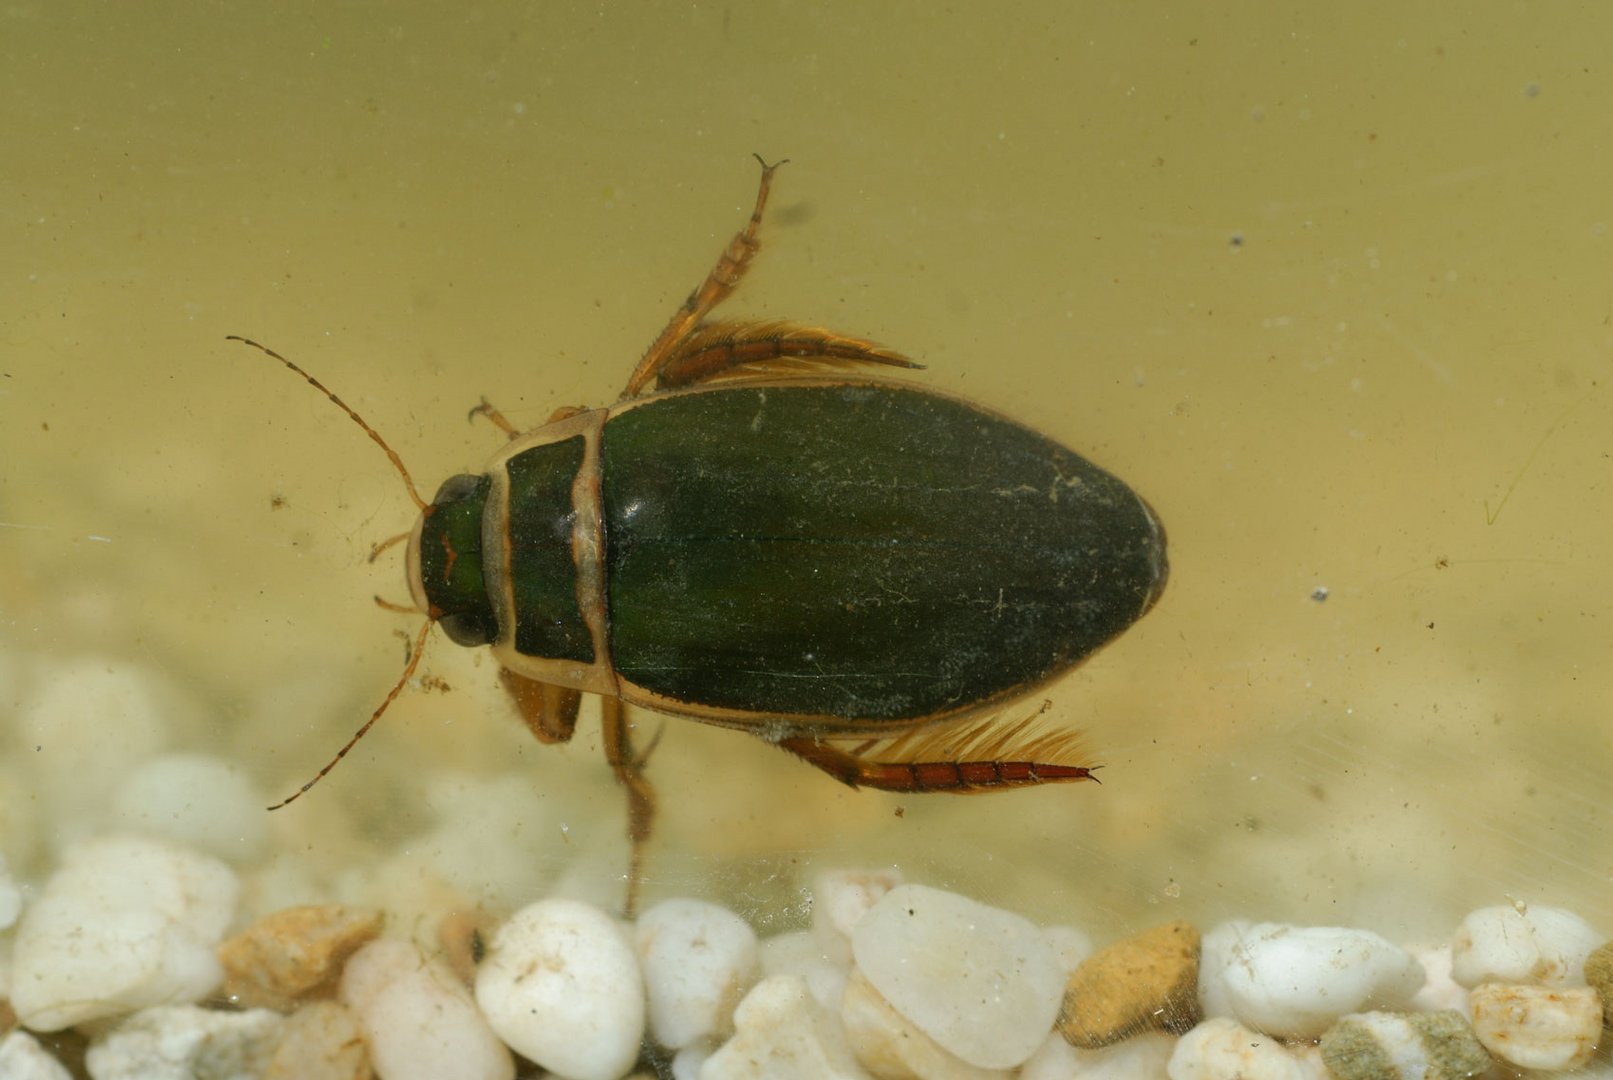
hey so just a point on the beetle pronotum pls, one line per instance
(858, 570)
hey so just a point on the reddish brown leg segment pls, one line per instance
(549, 711)
(730, 268)
(629, 770)
(487, 409)
(500, 421)
(920, 776)
(719, 348)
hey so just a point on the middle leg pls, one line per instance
(629, 769)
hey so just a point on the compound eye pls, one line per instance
(468, 628)
(456, 488)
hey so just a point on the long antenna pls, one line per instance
(408, 481)
(425, 508)
(408, 671)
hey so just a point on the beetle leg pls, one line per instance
(550, 711)
(640, 795)
(922, 776)
(722, 280)
(765, 349)
(498, 420)
(642, 758)
(487, 409)
(382, 545)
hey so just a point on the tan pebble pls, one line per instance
(1599, 973)
(1537, 1027)
(1146, 982)
(321, 1041)
(294, 954)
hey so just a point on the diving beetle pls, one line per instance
(856, 569)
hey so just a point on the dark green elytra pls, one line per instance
(866, 551)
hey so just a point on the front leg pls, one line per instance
(500, 421)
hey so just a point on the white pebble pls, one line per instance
(1141, 1057)
(888, 1044)
(698, 960)
(799, 953)
(1439, 991)
(184, 1042)
(1538, 1027)
(124, 923)
(561, 986)
(840, 899)
(195, 800)
(85, 723)
(781, 1033)
(982, 982)
(1215, 957)
(419, 1019)
(1542, 945)
(1223, 1049)
(687, 1063)
(480, 820)
(22, 1058)
(1296, 981)
(1071, 947)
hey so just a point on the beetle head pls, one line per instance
(445, 561)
